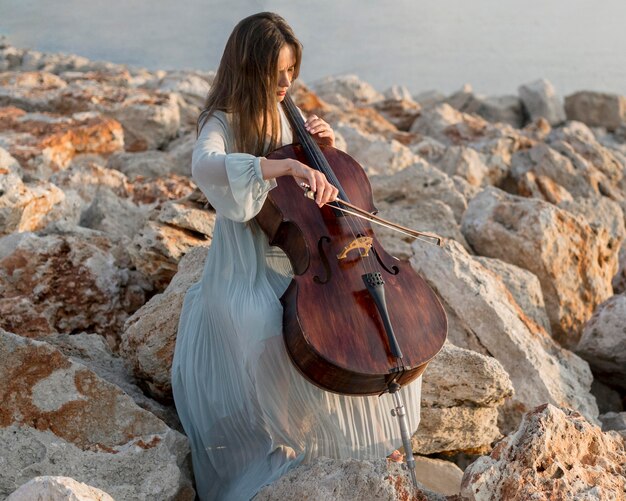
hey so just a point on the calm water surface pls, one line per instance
(432, 44)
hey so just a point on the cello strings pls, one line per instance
(355, 225)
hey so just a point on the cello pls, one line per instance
(355, 318)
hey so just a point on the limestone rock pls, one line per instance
(524, 286)
(44, 143)
(466, 163)
(541, 160)
(483, 316)
(148, 164)
(162, 189)
(24, 206)
(171, 231)
(555, 454)
(418, 182)
(376, 154)
(87, 178)
(92, 351)
(596, 109)
(58, 417)
(443, 477)
(603, 341)
(47, 488)
(432, 216)
(614, 421)
(540, 100)
(150, 335)
(326, 479)
(117, 217)
(573, 260)
(65, 283)
(506, 109)
(348, 87)
(460, 405)
(400, 112)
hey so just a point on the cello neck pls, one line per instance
(312, 150)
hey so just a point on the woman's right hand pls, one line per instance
(324, 191)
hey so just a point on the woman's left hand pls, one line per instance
(316, 126)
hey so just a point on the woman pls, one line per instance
(248, 413)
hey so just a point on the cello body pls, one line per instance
(333, 330)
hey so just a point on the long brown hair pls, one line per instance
(247, 79)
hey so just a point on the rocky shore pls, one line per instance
(102, 231)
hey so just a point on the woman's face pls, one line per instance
(286, 67)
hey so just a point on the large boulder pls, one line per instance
(483, 316)
(79, 281)
(44, 143)
(149, 336)
(60, 418)
(346, 89)
(541, 101)
(573, 260)
(48, 488)
(330, 479)
(555, 454)
(460, 407)
(603, 342)
(596, 109)
(172, 229)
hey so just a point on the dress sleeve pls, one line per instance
(232, 182)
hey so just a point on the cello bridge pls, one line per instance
(362, 244)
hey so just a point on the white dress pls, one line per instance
(249, 414)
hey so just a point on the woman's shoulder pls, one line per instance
(216, 119)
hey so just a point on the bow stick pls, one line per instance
(358, 212)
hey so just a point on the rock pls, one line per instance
(614, 421)
(418, 182)
(483, 316)
(540, 100)
(49, 488)
(180, 150)
(91, 351)
(429, 98)
(23, 206)
(148, 123)
(65, 283)
(400, 112)
(87, 178)
(118, 218)
(596, 109)
(451, 127)
(573, 260)
(608, 399)
(44, 143)
(524, 286)
(29, 90)
(577, 142)
(60, 418)
(460, 411)
(337, 90)
(398, 93)
(431, 216)
(171, 231)
(466, 163)
(555, 454)
(376, 154)
(496, 109)
(619, 280)
(603, 342)
(437, 475)
(532, 185)
(150, 335)
(148, 164)
(541, 160)
(326, 479)
(163, 189)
